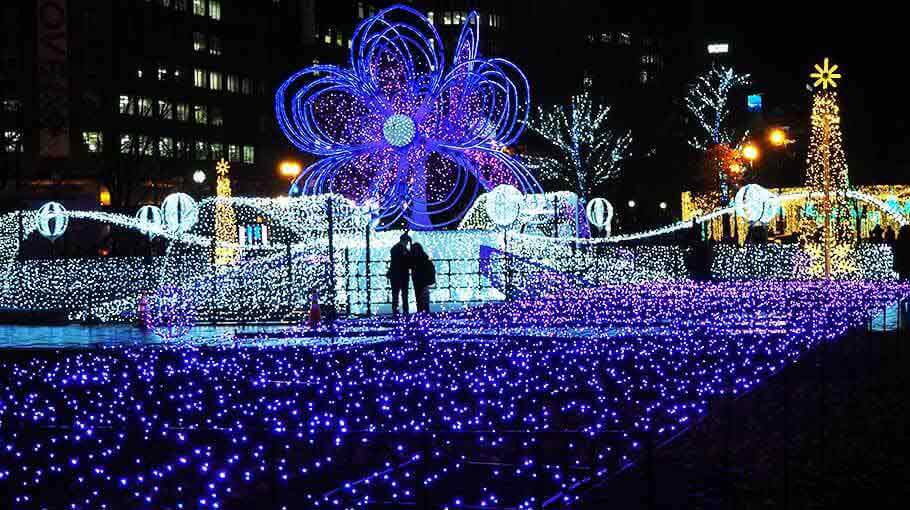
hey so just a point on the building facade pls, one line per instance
(122, 101)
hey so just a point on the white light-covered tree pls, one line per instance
(589, 151)
(708, 102)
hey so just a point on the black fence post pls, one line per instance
(331, 221)
(650, 476)
(368, 277)
(786, 426)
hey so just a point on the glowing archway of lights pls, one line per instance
(399, 129)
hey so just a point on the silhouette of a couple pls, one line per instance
(410, 259)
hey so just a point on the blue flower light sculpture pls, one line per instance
(396, 130)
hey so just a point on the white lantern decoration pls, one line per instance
(756, 204)
(600, 213)
(52, 220)
(504, 204)
(149, 219)
(180, 212)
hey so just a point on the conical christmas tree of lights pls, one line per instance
(829, 235)
(226, 236)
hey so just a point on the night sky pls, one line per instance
(867, 46)
(778, 44)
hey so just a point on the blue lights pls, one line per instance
(278, 424)
(402, 128)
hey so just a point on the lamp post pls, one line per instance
(289, 169)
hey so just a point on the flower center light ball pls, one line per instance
(399, 130)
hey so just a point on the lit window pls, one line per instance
(183, 112)
(11, 105)
(146, 145)
(165, 110)
(92, 141)
(644, 76)
(200, 114)
(180, 149)
(180, 5)
(215, 117)
(202, 150)
(447, 18)
(360, 12)
(126, 144)
(246, 86)
(249, 154)
(233, 83)
(233, 152)
(430, 16)
(199, 42)
(339, 40)
(199, 78)
(162, 73)
(166, 147)
(139, 73)
(215, 81)
(12, 141)
(199, 7)
(215, 45)
(127, 106)
(217, 151)
(144, 107)
(624, 38)
(215, 9)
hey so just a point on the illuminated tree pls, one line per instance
(708, 102)
(225, 220)
(589, 152)
(830, 233)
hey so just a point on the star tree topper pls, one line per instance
(825, 75)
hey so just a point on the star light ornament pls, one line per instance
(401, 128)
(825, 75)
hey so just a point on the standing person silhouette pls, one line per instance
(423, 273)
(399, 266)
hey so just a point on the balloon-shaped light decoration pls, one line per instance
(180, 212)
(149, 219)
(756, 204)
(52, 220)
(504, 204)
(600, 212)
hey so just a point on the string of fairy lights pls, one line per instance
(271, 280)
(515, 405)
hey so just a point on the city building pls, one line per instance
(122, 101)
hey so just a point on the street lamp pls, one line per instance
(778, 137)
(198, 176)
(289, 169)
(750, 152)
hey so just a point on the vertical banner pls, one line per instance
(52, 79)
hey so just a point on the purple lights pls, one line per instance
(505, 405)
(399, 129)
